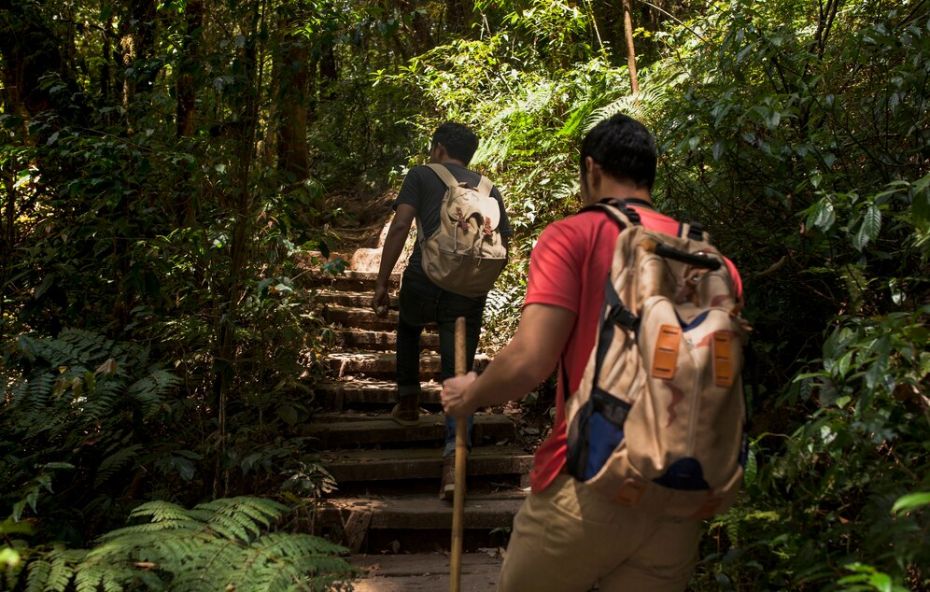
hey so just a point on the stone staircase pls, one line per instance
(386, 509)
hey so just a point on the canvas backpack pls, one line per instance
(466, 252)
(658, 420)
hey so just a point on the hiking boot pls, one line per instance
(447, 485)
(407, 409)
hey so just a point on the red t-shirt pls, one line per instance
(568, 268)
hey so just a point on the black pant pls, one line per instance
(422, 302)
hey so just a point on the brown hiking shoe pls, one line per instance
(447, 485)
(407, 409)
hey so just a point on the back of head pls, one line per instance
(459, 141)
(624, 149)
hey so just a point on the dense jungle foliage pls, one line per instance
(170, 168)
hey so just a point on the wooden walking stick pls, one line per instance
(458, 501)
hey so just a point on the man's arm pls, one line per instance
(393, 246)
(525, 362)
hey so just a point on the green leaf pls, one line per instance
(920, 206)
(868, 231)
(823, 215)
(11, 526)
(752, 468)
(9, 558)
(911, 501)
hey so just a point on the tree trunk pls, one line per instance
(30, 51)
(630, 51)
(8, 238)
(187, 67)
(248, 66)
(329, 69)
(137, 40)
(292, 64)
(457, 14)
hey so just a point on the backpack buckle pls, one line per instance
(621, 315)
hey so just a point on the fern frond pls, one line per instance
(292, 545)
(151, 390)
(218, 543)
(88, 579)
(160, 511)
(259, 510)
(633, 105)
(114, 463)
(60, 574)
(39, 571)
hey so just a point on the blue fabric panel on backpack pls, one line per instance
(685, 474)
(603, 438)
(694, 322)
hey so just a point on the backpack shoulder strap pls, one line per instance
(694, 231)
(444, 174)
(485, 186)
(624, 216)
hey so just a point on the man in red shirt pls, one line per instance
(567, 538)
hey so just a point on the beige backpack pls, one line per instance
(466, 252)
(658, 419)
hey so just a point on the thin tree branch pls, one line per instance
(676, 19)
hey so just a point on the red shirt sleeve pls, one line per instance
(555, 269)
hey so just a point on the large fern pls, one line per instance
(91, 404)
(222, 545)
(82, 377)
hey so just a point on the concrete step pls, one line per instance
(351, 299)
(381, 340)
(421, 463)
(334, 430)
(341, 394)
(382, 364)
(426, 572)
(351, 520)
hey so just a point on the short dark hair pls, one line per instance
(459, 141)
(624, 148)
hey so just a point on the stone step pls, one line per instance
(340, 394)
(315, 259)
(349, 520)
(381, 340)
(360, 317)
(421, 463)
(382, 364)
(351, 299)
(354, 281)
(354, 430)
(425, 572)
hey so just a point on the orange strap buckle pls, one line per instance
(723, 359)
(665, 356)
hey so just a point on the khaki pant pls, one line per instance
(568, 538)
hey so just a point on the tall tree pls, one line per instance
(291, 66)
(188, 62)
(630, 51)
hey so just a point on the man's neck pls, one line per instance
(610, 187)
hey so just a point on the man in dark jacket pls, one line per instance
(421, 301)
